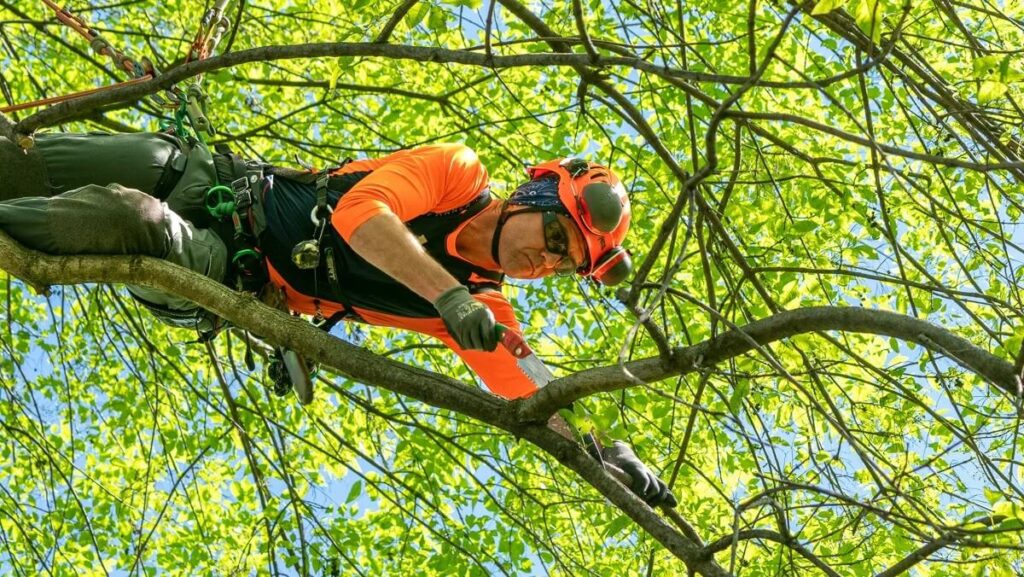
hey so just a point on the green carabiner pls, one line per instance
(245, 253)
(220, 201)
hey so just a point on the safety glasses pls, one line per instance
(556, 241)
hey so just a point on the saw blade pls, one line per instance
(532, 367)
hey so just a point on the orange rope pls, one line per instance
(69, 19)
(72, 96)
(106, 49)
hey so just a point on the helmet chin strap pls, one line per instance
(496, 240)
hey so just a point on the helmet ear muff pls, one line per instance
(602, 206)
(595, 199)
(613, 267)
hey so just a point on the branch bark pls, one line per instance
(780, 326)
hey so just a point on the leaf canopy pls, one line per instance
(779, 156)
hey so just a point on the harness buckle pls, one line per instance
(243, 194)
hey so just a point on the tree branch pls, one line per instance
(783, 325)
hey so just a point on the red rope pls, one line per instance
(71, 20)
(74, 95)
(105, 49)
(199, 51)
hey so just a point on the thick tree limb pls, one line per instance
(82, 107)
(79, 107)
(249, 313)
(278, 328)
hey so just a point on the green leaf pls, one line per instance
(868, 17)
(1004, 68)
(617, 525)
(990, 91)
(417, 14)
(355, 491)
(826, 6)
(332, 80)
(739, 393)
(1012, 524)
(988, 67)
(803, 226)
(992, 496)
(438, 20)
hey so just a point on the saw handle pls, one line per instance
(513, 342)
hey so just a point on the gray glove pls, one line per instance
(645, 484)
(469, 322)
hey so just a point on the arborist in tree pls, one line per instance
(413, 240)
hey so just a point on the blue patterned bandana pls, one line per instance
(542, 193)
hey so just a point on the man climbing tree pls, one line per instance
(413, 240)
(818, 347)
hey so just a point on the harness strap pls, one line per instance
(240, 201)
(321, 194)
(497, 232)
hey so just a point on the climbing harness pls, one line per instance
(240, 202)
(306, 254)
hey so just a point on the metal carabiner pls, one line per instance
(314, 215)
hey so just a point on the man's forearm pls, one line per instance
(387, 244)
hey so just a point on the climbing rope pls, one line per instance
(72, 96)
(187, 105)
(100, 45)
(211, 29)
(138, 71)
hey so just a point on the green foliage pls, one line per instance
(122, 454)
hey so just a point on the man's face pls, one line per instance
(523, 252)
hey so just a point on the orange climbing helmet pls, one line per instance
(597, 202)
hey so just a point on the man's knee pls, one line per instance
(113, 219)
(110, 219)
(198, 249)
(119, 220)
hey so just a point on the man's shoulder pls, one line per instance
(453, 165)
(455, 154)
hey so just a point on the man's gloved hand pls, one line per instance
(645, 484)
(469, 322)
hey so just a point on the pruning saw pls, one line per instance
(532, 367)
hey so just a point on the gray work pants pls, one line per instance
(116, 194)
